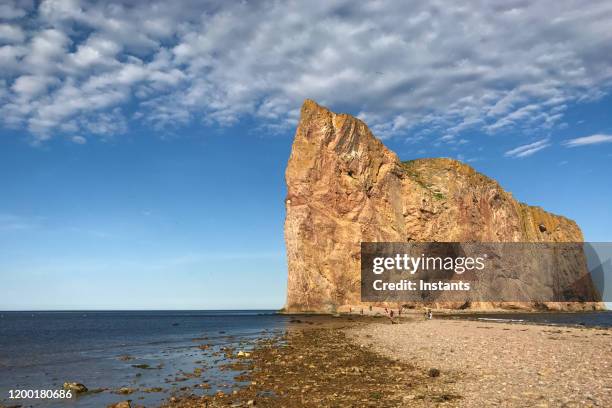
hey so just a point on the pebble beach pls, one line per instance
(353, 361)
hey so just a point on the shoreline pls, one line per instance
(501, 316)
(355, 360)
(380, 311)
(348, 361)
(316, 363)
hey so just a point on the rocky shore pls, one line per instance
(317, 364)
(353, 362)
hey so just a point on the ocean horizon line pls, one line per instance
(136, 310)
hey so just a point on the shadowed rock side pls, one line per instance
(345, 187)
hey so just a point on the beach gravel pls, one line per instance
(504, 364)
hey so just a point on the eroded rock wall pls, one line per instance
(345, 187)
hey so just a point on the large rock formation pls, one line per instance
(345, 187)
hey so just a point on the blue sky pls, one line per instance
(142, 165)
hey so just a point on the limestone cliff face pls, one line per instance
(345, 187)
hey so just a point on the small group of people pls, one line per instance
(391, 312)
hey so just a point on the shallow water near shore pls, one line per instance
(141, 350)
(584, 319)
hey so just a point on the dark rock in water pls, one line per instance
(75, 387)
(175, 324)
(433, 372)
(124, 390)
(141, 366)
(153, 389)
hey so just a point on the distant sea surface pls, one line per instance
(584, 319)
(42, 350)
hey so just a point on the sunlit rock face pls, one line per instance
(344, 187)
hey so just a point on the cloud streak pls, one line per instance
(92, 68)
(588, 140)
(11, 222)
(528, 149)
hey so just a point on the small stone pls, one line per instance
(153, 389)
(251, 402)
(433, 372)
(141, 366)
(77, 388)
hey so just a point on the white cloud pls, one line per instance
(511, 65)
(46, 51)
(78, 140)
(32, 85)
(95, 50)
(528, 149)
(588, 140)
(10, 56)
(11, 34)
(12, 9)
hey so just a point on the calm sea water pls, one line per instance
(42, 350)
